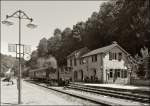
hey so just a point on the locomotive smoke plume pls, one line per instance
(51, 62)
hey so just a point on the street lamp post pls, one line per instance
(19, 15)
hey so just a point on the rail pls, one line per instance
(112, 93)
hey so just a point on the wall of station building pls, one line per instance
(91, 70)
(115, 71)
(101, 69)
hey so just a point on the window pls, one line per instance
(125, 73)
(94, 58)
(111, 73)
(110, 56)
(80, 61)
(75, 62)
(94, 72)
(70, 62)
(119, 56)
(62, 70)
(122, 73)
(101, 60)
(115, 56)
(118, 72)
(75, 75)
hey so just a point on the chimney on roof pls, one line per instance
(114, 42)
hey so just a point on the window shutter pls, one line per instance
(95, 57)
(110, 56)
(122, 72)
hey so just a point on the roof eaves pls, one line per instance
(91, 54)
(119, 48)
(35, 70)
(75, 52)
(88, 54)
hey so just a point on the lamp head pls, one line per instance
(32, 26)
(8, 23)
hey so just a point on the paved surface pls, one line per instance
(34, 95)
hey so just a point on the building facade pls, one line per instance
(104, 65)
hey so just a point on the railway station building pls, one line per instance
(109, 64)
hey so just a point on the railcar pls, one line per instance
(53, 76)
(38, 74)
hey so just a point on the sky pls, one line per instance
(48, 15)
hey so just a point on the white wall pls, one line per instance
(114, 64)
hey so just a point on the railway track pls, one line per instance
(112, 93)
(121, 95)
(103, 103)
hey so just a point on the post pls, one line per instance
(19, 76)
(130, 76)
(58, 76)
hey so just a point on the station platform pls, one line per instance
(130, 88)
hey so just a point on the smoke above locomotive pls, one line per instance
(51, 62)
(48, 62)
